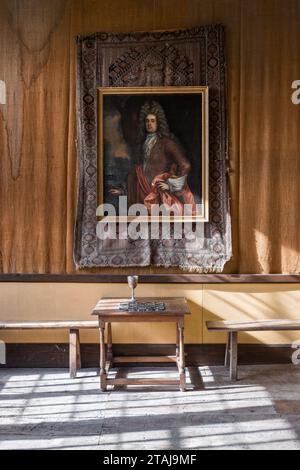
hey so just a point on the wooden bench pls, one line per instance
(233, 328)
(74, 340)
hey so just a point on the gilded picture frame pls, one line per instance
(153, 146)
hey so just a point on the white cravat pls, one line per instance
(147, 147)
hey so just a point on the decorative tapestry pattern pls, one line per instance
(193, 57)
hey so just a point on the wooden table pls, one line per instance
(107, 310)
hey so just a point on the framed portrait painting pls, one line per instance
(153, 149)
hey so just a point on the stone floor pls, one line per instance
(45, 409)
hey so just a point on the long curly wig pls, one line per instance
(153, 107)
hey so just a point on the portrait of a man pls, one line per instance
(153, 148)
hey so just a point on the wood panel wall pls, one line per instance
(37, 125)
(49, 302)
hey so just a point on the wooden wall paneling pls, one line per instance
(10, 133)
(228, 12)
(252, 302)
(33, 185)
(50, 301)
(269, 140)
(37, 126)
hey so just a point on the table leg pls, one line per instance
(181, 356)
(74, 353)
(102, 356)
(109, 343)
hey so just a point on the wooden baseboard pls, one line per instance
(57, 355)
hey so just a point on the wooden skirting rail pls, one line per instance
(156, 278)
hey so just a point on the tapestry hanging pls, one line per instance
(175, 60)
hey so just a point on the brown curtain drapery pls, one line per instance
(37, 125)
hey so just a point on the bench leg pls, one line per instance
(233, 355)
(227, 352)
(74, 353)
(103, 376)
(177, 342)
